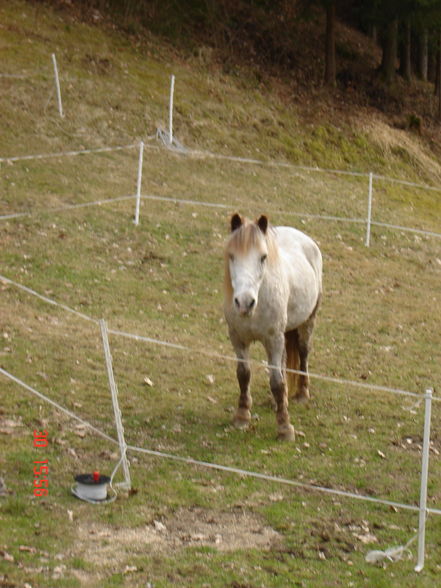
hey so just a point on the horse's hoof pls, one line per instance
(242, 418)
(241, 424)
(286, 433)
(303, 396)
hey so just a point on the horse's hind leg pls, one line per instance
(302, 394)
(276, 350)
(242, 417)
(304, 347)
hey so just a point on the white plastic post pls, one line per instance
(369, 215)
(57, 85)
(424, 476)
(170, 111)
(114, 391)
(139, 182)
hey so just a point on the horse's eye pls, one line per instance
(263, 258)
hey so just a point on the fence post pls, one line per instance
(114, 391)
(369, 214)
(57, 85)
(424, 476)
(170, 110)
(139, 182)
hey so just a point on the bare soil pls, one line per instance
(107, 548)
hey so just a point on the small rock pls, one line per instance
(6, 556)
(159, 526)
(130, 569)
(27, 548)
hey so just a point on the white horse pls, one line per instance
(273, 285)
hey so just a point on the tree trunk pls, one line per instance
(330, 62)
(129, 6)
(406, 52)
(423, 54)
(431, 68)
(373, 33)
(438, 76)
(388, 64)
(437, 81)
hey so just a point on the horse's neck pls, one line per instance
(274, 281)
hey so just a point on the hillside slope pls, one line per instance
(236, 113)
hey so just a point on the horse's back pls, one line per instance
(295, 244)
(302, 264)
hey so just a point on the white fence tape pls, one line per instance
(14, 76)
(178, 149)
(202, 352)
(50, 301)
(66, 411)
(185, 201)
(214, 355)
(214, 466)
(66, 207)
(67, 153)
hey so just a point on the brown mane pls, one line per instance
(246, 237)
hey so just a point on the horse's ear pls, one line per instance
(262, 223)
(236, 222)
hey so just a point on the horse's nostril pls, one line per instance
(236, 302)
(251, 304)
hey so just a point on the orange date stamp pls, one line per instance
(41, 467)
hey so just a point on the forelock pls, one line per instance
(247, 237)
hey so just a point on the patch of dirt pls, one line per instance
(227, 531)
(105, 546)
(9, 426)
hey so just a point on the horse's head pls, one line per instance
(246, 255)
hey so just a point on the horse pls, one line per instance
(272, 292)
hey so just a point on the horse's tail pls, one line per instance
(292, 359)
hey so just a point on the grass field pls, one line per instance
(379, 324)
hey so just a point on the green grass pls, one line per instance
(163, 279)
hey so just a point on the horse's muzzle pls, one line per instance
(245, 304)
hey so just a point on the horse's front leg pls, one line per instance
(242, 417)
(276, 350)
